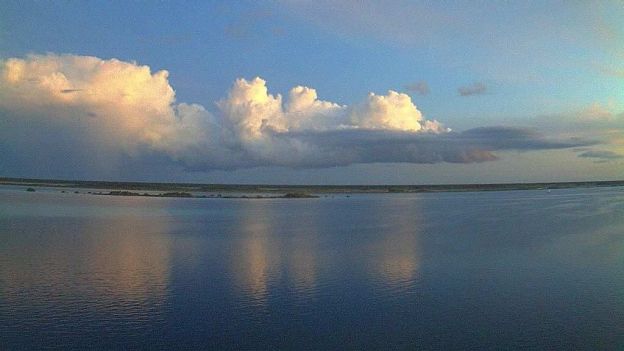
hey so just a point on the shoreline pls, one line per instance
(263, 191)
(210, 196)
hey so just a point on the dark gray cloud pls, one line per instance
(474, 89)
(321, 149)
(601, 155)
(512, 138)
(421, 88)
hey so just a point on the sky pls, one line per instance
(312, 92)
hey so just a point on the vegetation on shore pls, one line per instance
(185, 194)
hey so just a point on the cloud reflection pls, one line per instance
(272, 247)
(119, 267)
(278, 249)
(255, 258)
(397, 255)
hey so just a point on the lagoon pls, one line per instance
(529, 269)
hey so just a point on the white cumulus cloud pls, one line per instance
(70, 107)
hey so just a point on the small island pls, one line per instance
(130, 193)
(220, 196)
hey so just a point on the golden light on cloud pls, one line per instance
(112, 107)
(392, 111)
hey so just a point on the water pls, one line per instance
(495, 270)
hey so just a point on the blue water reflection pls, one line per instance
(522, 269)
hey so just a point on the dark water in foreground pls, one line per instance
(496, 270)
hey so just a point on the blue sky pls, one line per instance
(554, 68)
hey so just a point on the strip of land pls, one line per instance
(280, 191)
(186, 194)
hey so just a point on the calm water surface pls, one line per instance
(495, 270)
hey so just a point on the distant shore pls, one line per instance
(203, 196)
(259, 191)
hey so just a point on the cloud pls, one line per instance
(613, 72)
(401, 22)
(474, 89)
(394, 111)
(596, 112)
(69, 91)
(514, 138)
(421, 88)
(601, 155)
(474, 145)
(135, 104)
(250, 24)
(596, 120)
(69, 112)
(501, 47)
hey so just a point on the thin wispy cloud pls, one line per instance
(420, 88)
(594, 119)
(612, 71)
(601, 155)
(476, 88)
(251, 23)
